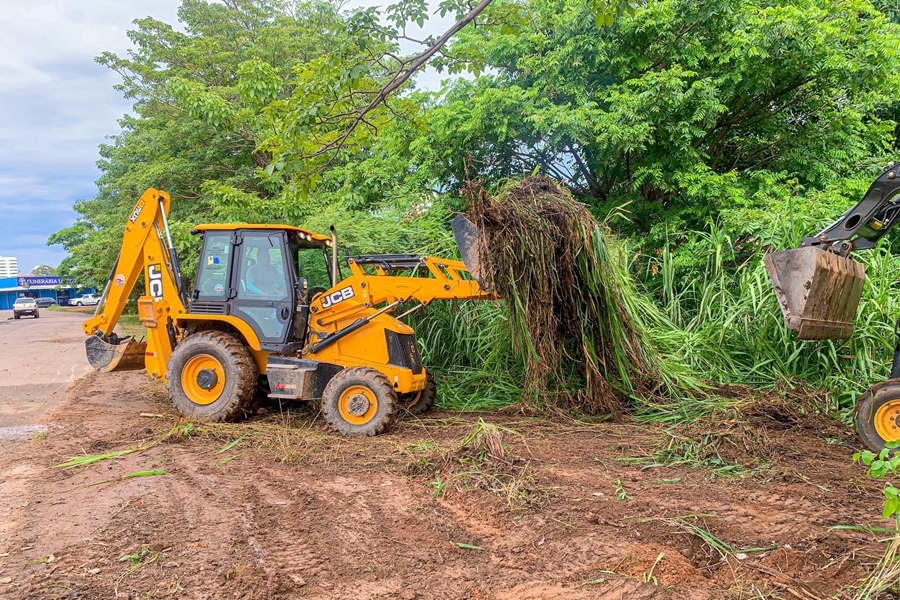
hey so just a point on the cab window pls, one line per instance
(213, 277)
(262, 272)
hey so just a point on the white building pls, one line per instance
(9, 266)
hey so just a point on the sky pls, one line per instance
(57, 105)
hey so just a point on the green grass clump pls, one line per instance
(575, 313)
(722, 318)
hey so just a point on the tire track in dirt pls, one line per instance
(344, 522)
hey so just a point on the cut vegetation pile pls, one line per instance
(574, 310)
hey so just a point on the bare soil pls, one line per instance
(543, 509)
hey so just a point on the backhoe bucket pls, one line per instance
(818, 291)
(127, 354)
(469, 247)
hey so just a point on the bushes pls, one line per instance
(711, 313)
(725, 319)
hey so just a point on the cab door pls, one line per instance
(263, 285)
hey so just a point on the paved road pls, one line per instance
(38, 359)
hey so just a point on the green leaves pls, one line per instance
(884, 465)
(672, 101)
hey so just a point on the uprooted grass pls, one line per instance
(575, 312)
(738, 436)
(482, 460)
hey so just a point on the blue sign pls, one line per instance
(30, 281)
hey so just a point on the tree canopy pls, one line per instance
(682, 110)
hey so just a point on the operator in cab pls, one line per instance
(263, 278)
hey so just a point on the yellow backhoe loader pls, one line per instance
(819, 287)
(252, 320)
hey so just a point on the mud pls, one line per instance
(294, 511)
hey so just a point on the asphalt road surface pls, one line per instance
(38, 359)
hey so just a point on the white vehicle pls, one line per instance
(25, 306)
(86, 300)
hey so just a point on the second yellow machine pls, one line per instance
(252, 320)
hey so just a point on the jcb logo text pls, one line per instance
(154, 276)
(338, 296)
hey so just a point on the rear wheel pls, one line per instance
(877, 415)
(212, 376)
(359, 401)
(419, 403)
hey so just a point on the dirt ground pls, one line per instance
(540, 509)
(38, 358)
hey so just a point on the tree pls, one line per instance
(199, 95)
(43, 271)
(682, 109)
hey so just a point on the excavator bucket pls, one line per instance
(127, 354)
(818, 291)
(469, 247)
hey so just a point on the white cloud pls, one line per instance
(57, 105)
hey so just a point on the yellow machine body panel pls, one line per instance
(251, 299)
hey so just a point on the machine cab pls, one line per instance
(252, 273)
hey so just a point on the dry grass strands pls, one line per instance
(572, 301)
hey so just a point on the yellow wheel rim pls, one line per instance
(358, 405)
(886, 421)
(203, 379)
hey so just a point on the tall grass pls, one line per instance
(724, 321)
(716, 319)
(468, 347)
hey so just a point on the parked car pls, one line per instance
(86, 300)
(25, 306)
(45, 302)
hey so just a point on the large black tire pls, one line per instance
(37, 315)
(359, 401)
(419, 403)
(231, 390)
(877, 415)
(16, 315)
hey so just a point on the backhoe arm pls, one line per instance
(144, 250)
(817, 285)
(867, 221)
(391, 279)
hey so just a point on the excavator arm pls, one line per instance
(867, 221)
(817, 285)
(146, 249)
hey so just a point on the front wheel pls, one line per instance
(78, 303)
(877, 415)
(359, 401)
(36, 315)
(419, 403)
(212, 376)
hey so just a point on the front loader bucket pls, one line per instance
(818, 291)
(469, 247)
(103, 356)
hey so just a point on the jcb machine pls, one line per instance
(253, 319)
(818, 288)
